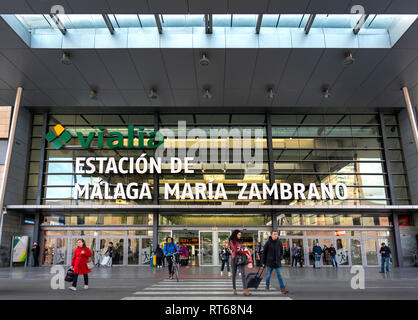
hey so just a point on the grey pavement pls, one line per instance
(146, 283)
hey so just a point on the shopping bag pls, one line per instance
(106, 261)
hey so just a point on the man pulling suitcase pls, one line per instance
(273, 254)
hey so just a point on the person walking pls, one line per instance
(159, 256)
(317, 252)
(79, 264)
(299, 257)
(170, 250)
(260, 251)
(294, 252)
(385, 257)
(333, 254)
(35, 253)
(237, 250)
(225, 254)
(273, 255)
(184, 255)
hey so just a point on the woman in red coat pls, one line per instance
(79, 264)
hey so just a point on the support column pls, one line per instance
(272, 177)
(156, 192)
(397, 239)
(8, 157)
(411, 115)
(41, 178)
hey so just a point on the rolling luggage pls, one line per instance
(254, 278)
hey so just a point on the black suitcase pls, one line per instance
(254, 278)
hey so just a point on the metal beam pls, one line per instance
(108, 23)
(158, 22)
(309, 23)
(387, 159)
(8, 157)
(156, 192)
(258, 26)
(411, 115)
(58, 23)
(360, 23)
(208, 24)
(397, 239)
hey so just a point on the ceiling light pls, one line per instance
(270, 93)
(93, 94)
(204, 61)
(348, 59)
(207, 94)
(153, 94)
(325, 93)
(66, 58)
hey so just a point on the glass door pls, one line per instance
(223, 237)
(133, 251)
(146, 249)
(206, 248)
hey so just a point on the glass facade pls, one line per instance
(306, 148)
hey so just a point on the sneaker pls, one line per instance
(72, 288)
(86, 287)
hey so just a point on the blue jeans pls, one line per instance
(334, 261)
(382, 267)
(278, 273)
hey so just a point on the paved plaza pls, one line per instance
(205, 283)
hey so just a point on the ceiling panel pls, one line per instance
(280, 6)
(83, 98)
(112, 98)
(410, 39)
(121, 69)
(45, 6)
(186, 98)
(247, 6)
(387, 71)
(403, 6)
(327, 6)
(135, 98)
(93, 69)
(257, 98)
(239, 68)
(149, 64)
(235, 97)
(61, 97)
(180, 66)
(269, 68)
(13, 76)
(352, 76)
(164, 6)
(7, 97)
(28, 63)
(299, 68)
(12, 6)
(211, 76)
(204, 6)
(128, 6)
(371, 6)
(68, 75)
(90, 6)
(38, 98)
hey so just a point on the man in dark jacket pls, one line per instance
(332, 254)
(317, 252)
(273, 254)
(385, 257)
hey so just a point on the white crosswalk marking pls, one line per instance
(203, 289)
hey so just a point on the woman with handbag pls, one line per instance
(238, 259)
(225, 254)
(80, 264)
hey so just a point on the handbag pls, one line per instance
(241, 259)
(90, 264)
(69, 276)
